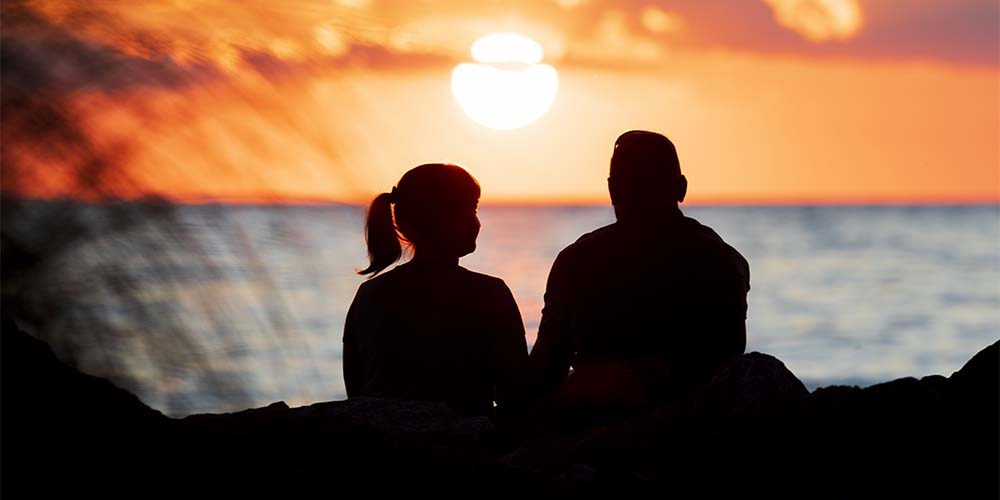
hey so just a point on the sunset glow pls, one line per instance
(769, 101)
(508, 88)
(507, 48)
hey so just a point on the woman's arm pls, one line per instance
(354, 375)
(511, 353)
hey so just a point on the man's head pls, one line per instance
(645, 173)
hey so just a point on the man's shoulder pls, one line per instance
(598, 237)
(710, 239)
(702, 230)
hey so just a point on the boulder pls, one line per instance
(753, 385)
(753, 429)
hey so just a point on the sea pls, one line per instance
(214, 308)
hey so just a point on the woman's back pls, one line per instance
(437, 333)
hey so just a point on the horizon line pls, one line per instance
(543, 202)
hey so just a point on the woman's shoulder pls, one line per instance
(381, 281)
(480, 277)
(399, 279)
(483, 280)
(493, 291)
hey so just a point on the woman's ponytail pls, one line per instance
(380, 235)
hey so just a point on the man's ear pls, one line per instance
(682, 188)
(612, 190)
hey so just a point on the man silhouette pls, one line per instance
(645, 309)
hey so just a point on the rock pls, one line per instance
(380, 444)
(683, 443)
(423, 427)
(753, 430)
(927, 437)
(753, 385)
(33, 378)
(63, 428)
(979, 377)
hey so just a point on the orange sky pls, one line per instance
(770, 101)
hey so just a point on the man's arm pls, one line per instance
(738, 338)
(731, 320)
(553, 350)
(735, 342)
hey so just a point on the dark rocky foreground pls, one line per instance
(755, 431)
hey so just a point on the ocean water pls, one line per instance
(211, 308)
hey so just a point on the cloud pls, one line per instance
(186, 37)
(954, 31)
(819, 20)
(658, 20)
(158, 43)
(39, 56)
(614, 40)
(962, 32)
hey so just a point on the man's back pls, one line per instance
(669, 294)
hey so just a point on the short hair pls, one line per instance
(642, 157)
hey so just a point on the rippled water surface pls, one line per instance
(217, 308)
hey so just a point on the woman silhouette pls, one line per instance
(430, 329)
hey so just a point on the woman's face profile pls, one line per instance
(466, 229)
(449, 230)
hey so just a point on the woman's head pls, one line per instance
(435, 211)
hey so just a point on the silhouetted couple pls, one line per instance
(636, 313)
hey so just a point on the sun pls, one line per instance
(507, 87)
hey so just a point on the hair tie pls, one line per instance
(393, 195)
